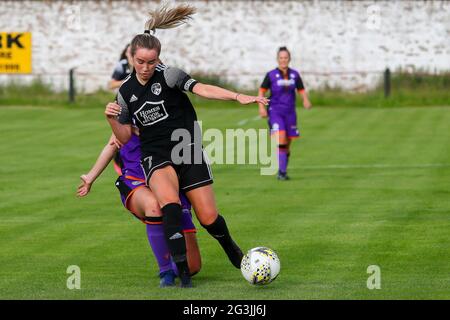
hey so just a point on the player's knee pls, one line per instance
(208, 217)
(167, 199)
(152, 208)
(172, 216)
(282, 140)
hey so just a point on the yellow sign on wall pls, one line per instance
(15, 52)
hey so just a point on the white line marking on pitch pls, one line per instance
(368, 166)
(244, 121)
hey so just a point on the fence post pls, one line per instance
(71, 86)
(387, 83)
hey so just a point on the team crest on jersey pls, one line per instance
(151, 112)
(156, 88)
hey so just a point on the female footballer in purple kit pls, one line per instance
(283, 83)
(154, 97)
(139, 200)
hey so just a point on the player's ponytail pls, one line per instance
(165, 18)
(161, 18)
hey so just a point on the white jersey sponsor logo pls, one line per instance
(151, 112)
(285, 82)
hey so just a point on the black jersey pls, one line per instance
(158, 108)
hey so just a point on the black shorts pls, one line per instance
(192, 174)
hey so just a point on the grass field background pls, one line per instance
(370, 186)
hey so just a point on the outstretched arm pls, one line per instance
(114, 84)
(218, 93)
(102, 162)
(262, 108)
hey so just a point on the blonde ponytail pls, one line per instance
(161, 18)
(166, 18)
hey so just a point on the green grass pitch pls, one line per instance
(370, 186)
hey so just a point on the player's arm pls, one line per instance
(265, 85)
(301, 90)
(213, 92)
(119, 118)
(114, 84)
(105, 157)
(178, 78)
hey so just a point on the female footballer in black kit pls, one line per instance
(152, 97)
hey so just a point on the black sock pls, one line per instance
(173, 231)
(219, 230)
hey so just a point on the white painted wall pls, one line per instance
(329, 40)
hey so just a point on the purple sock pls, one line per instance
(157, 240)
(282, 160)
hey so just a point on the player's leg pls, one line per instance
(283, 154)
(192, 249)
(292, 133)
(195, 181)
(204, 204)
(278, 127)
(144, 205)
(164, 184)
(193, 253)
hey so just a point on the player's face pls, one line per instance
(145, 62)
(283, 59)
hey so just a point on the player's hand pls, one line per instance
(84, 187)
(245, 99)
(262, 111)
(307, 104)
(112, 110)
(117, 143)
(135, 131)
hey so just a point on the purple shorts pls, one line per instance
(286, 122)
(127, 187)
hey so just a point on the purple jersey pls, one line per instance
(128, 165)
(282, 89)
(129, 159)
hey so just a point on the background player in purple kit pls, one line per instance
(122, 69)
(140, 201)
(283, 83)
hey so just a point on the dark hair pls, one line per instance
(284, 49)
(123, 55)
(161, 18)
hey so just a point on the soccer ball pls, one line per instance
(260, 266)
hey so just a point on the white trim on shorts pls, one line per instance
(206, 160)
(151, 171)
